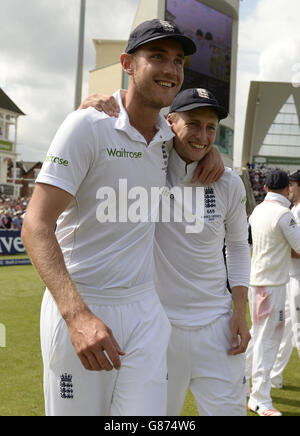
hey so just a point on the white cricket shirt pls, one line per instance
(295, 263)
(91, 152)
(190, 272)
(274, 233)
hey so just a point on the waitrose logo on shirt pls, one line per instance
(57, 160)
(123, 153)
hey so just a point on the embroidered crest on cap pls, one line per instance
(167, 26)
(203, 93)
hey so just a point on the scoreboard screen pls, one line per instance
(211, 31)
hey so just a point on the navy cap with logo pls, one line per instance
(277, 179)
(295, 177)
(157, 29)
(193, 98)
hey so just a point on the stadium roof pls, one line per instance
(272, 127)
(8, 104)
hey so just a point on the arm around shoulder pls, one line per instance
(210, 169)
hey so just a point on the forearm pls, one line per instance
(89, 335)
(240, 299)
(238, 260)
(42, 246)
(238, 324)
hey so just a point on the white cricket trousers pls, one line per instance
(291, 336)
(198, 359)
(139, 388)
(267, 308)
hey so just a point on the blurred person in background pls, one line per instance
(274, 232)
(291, 336)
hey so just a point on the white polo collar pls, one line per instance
(273, 196)
(183, 171)
(163, 134)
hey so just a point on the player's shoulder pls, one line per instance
(90, 114)
(230, 173)
(80, 126)
(287, 219)
(230, 178)
(87, 118)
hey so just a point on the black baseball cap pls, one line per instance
(193, 98)
(295, 177)
(277, 179)
(152, 30)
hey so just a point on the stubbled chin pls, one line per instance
(166, 100)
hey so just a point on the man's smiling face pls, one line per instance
(158, 71)
(195, 132)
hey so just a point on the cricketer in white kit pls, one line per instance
(291, 336)
(274, 233)
(111, 265)
(205, 353)
(104, 332)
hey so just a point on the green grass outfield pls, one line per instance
(21, 394)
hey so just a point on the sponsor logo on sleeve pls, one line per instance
(57, 160)
(292, 223)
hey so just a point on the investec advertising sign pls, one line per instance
(6, 146)
(11, 242)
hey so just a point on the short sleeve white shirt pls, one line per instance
(92, 151)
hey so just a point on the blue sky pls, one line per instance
(247, 7)
(38, 56)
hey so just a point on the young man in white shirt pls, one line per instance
(208, 340)
(274, 233)
(103, 330)
(291, 336)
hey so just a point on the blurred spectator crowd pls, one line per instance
(12, 212)
(257, 174)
